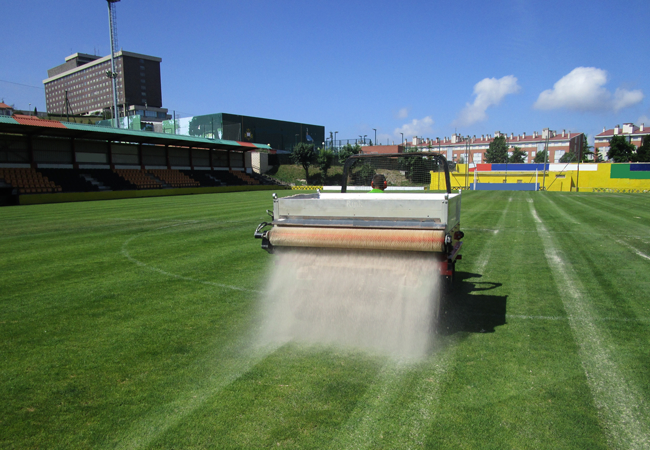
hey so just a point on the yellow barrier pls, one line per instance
(598, 180)
(306, 188)
(63, 197)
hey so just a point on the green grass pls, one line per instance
(128, 324)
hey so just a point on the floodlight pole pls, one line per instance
(113, 75)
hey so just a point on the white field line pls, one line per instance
(127, 255)
(484, 257)
(625, 244)
(564, 318)
(381, 403)
(517, 230)
(626, 419)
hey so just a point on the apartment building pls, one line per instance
(81, 86)
(630, 131)
(459, 148)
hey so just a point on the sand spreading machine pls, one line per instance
(411, 222)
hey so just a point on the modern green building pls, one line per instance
(279, 134)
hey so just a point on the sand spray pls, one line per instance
(381, 302)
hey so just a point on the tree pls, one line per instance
(586, 149)
(569, 157)
(497, 152)
(347, 151)
(518, 156)
(540, 157)
(324, 161)
(303, 154)
(620, 150)
(643, 152)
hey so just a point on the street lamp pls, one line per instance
(29, 109)
(375, 129)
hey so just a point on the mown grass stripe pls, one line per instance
(484, 257)
(372, 424)
(626, 420)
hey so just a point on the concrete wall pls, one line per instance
(560, 177)
(63, 197)
(260, 162)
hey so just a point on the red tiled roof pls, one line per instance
(635, 130)
(4, 106)
(31, 120)
(513, 141)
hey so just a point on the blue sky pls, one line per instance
(424, 68)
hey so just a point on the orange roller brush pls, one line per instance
(359, 238)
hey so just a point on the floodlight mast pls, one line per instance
(112, 74)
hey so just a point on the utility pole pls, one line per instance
(467, 163)
(579, 159)
(545, 162)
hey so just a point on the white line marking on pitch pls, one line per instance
(625, 244)
(128, 256)
(619, 402)
(599, 319)
(484, 258)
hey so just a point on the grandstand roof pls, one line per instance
(29, 125)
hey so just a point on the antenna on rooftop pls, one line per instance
(111, 73)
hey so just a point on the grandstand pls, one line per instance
(28, 181)
(48, 157)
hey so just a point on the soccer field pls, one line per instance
(130, 324)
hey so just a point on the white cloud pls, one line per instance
(583, 90)
(488, 92)
(624, 98)
(403, 113)
(417, 127)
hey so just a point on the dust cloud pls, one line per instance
(375, 301)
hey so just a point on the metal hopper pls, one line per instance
(407, 222)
